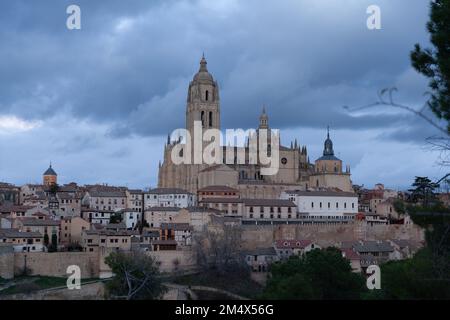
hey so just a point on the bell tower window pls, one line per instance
(210, 118)
(206, 95)
(202, 118)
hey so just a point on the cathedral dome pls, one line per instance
(328, 152)
(203, 76)
(328, 147)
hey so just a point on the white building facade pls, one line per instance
(323, 203)
(168, 197)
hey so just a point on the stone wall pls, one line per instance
(6, 262)
(55, 264)
(257, 236)
(167, 260)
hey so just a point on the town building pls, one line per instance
(107, 240)
(9, 194)
(135, 200)
(326, 204)
(260, 259)
(155, 216)
(72, 229)
(180, 232)
(287, 248)
(268, 210)
(22, 241)
(111, 200)
(216, 191)
(168, 197)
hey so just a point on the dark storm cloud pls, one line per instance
(130, 65)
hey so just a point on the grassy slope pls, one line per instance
(36, 283)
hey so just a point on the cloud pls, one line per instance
(13, 124)
(121, 81)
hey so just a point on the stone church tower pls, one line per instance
(203, 102)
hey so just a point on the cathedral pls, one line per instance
(295, 170)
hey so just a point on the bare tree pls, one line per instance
(136, 276)
(439, 142)
(218, 249)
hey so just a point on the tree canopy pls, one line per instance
(319, 274)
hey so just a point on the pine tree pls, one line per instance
(434, 63)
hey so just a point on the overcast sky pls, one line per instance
(99, 102)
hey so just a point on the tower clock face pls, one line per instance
(283, 160)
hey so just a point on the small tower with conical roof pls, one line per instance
(50, 177)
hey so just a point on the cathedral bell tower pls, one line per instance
(203, 100)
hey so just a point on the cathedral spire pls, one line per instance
(263, 119)
(328, 145)
(203, 64)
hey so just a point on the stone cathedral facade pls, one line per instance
(295, 170)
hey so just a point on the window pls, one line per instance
(206, 95)
(337, 205)
(210, 119)
(261, 209)
(329, 205)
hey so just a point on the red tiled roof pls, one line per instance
(350, 254)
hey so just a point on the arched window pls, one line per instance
(206, 95)
(202, 118)
(210, 118)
